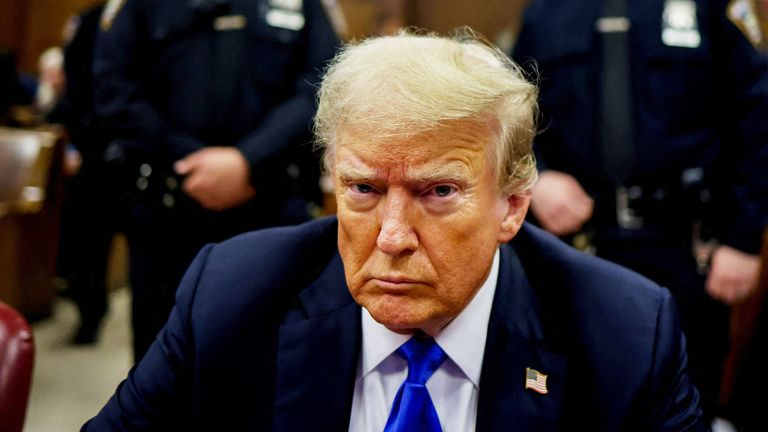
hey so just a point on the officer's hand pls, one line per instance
(560, 204)
(217, 177)
(733, 275)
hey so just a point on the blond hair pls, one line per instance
(395, 87)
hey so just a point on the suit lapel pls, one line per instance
(319, 345)
(317, 357)
(515, 342)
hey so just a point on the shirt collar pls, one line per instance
(463, 339)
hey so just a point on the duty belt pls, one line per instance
(636, 208)
(165, 187)
(627, 216)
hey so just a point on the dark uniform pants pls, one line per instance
(91, 214)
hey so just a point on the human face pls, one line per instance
(419, 222)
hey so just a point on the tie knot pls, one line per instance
(424, 356)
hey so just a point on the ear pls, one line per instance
(516, 209)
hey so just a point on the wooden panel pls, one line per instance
(29, 238)
(359, 16)
(488, 17)
(12, 21)
(744, 319)
(28, 248)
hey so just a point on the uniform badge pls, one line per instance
(111, 10)
(291, 5)
(285, 19)
(286, 14)
(679, 25)
(229, 22)
(742, 15)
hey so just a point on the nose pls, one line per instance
(397, 234)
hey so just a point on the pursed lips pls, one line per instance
(395, 282)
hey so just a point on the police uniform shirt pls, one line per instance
(700, 100)
(175, 76)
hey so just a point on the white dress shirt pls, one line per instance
(454, 385)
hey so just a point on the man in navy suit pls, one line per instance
(427, 304)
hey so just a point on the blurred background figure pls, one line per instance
(656, 136)
(28, 99)
(91, 212)
(207, 105)
(51, 80)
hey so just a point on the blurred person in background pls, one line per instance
(207, 105)
(656, 135)
(30, 100)
(51, 80)
(92, 211)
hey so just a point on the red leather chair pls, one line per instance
(17, 352)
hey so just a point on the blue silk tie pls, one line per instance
(412, 409)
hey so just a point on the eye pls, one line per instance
(361, 197)
(443, 191)
(441, 197)
(362, 188)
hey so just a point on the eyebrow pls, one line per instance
(451, 171)
(346, 171)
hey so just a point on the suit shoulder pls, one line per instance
(275, 250)
(555, 261)
(608, 321)
(252, 270)
(589, 297)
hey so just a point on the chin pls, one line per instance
(400, 320)
(394, 318)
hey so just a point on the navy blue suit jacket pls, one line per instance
(265, 336)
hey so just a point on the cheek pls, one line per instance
(356, 241)
(356, 228)
(461, 251)
(462, 275)
(456, 253)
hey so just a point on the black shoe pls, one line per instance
(86, 335)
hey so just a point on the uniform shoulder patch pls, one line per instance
(742, 14)
(111, 10)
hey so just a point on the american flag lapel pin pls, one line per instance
(535, 381)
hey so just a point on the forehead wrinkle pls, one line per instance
(441, 154)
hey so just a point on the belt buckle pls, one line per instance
(626, 217)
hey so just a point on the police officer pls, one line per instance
(654, 127)
(91, 211)
(209, 104)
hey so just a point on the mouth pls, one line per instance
(396, 283)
